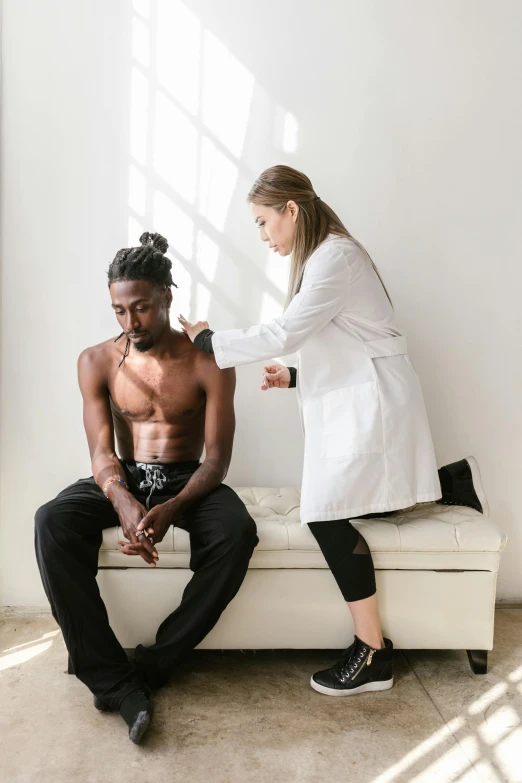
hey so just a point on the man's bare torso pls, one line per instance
(157, 403)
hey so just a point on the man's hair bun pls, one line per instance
(156, 240)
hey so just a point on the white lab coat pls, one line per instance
(368, 446)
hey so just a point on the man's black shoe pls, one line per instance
(461, 485)
(362, 668)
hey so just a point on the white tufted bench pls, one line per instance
(436, 578)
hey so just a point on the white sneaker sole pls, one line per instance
(477, 483)
(384, 685)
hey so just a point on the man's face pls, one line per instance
(142, 310)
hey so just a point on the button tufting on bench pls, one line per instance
(430, 536)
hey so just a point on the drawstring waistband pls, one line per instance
(157, 475)
(154, 478)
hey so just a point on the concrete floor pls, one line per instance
(232, 718)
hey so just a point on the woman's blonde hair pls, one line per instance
(315, 221)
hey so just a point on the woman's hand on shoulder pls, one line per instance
(275, 376)
(192, 329)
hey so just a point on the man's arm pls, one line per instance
(97, 419)
(220, 424)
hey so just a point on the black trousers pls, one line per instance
(68, 536)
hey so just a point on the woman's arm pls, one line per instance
(322, 296)
(203, 341)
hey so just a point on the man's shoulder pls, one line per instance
(193, 356)
(98, 357)
(101, 349)
(208, 362)
(209, 374)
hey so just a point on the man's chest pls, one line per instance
(169, 393)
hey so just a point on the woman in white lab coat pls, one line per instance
(368, 447)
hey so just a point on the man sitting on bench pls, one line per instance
(164, 400)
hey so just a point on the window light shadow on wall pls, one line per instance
(191, 104)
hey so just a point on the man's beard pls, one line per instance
(143, 347)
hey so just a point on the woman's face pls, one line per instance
(278, 229)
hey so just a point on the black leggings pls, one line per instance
(348, 556)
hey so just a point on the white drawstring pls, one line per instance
(154, 479)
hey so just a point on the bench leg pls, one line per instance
(478, 660)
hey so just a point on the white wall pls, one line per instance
(407, 117)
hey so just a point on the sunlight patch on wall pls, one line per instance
(207, 254)
(286, 130)
(134, 232)
(140, 42)
(227, 94)
(179, 53)
(202, 303)
(178, 228)
(175, 148)
(277, 270)
(191, 102)
(290, 130)
(174, 224)
(142, 7)
(218, 179)
(137, 190)
(270, 308)
(139, 116)
(182, 295)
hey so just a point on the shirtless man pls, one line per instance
(164, 400)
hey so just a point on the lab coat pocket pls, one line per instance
(352, 422)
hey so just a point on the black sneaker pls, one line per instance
(362, 668)
(461, 485)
